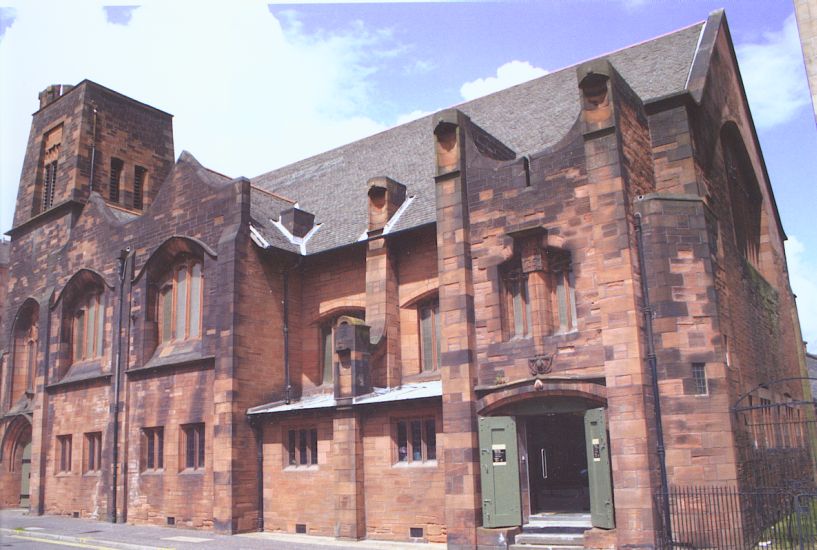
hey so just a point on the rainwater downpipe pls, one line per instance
(124, 254)
(258, 431)
(653, 365)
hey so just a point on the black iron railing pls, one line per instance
(728, 518)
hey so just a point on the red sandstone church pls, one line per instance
(444, 332)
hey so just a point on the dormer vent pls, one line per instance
(298, 222)
(52, 93)
(385, 198)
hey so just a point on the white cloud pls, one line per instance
(509, 74)
(801, 276)
(773, 75)
(247, 93)
(413, 115)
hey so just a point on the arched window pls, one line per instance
(745, 198)
(179, 301)
(24, 351)
(88, 326)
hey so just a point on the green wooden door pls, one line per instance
(499, 472)
(25, 475)
(598, 466)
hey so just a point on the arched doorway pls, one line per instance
(16, 448)
(544, 451)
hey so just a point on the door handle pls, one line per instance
(544, 463)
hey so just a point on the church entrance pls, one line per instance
(557, 463)
(545, 456)
(25, 475)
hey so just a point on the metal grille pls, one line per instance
(726, 518)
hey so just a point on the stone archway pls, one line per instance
(552, 443)
(15, 456)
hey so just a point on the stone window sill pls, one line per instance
(416, 464)
(298, 468)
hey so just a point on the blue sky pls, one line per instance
(254, 86)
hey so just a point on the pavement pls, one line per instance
(21, 531)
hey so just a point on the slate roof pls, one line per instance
(527, 118)
(406, 392)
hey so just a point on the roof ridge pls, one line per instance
(271, 194)
(329, 152)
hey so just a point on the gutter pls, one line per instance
(124, 255)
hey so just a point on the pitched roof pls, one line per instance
(527, 118)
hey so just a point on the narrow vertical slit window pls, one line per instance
(292, 447)
(416, 440)
(313, 446)
(116, 179)
(428, 313)
(699, 377)
(402, 442)
(302, 448)
(564, 291)
(139, 178)
(431, 439)
(49, 185)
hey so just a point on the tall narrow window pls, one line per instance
(139, 177)
(116, 179)
(699, 377)
(428, 313)
(52, 142)
(516, 302)
(49, 184)
(564, 294)
(193, 446)
(179, 304)
(153, 443)
(88, 327)
(64, 453)
(327, 340)
(93, 452)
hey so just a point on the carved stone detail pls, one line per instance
(540, 365)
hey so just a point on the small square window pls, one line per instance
(699, 376)
(416, 440)
(302, 447)
(92, 455)
(153, 443)
(64, 453)
(192, 442)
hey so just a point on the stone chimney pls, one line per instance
(52, 93)
(385, 198)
